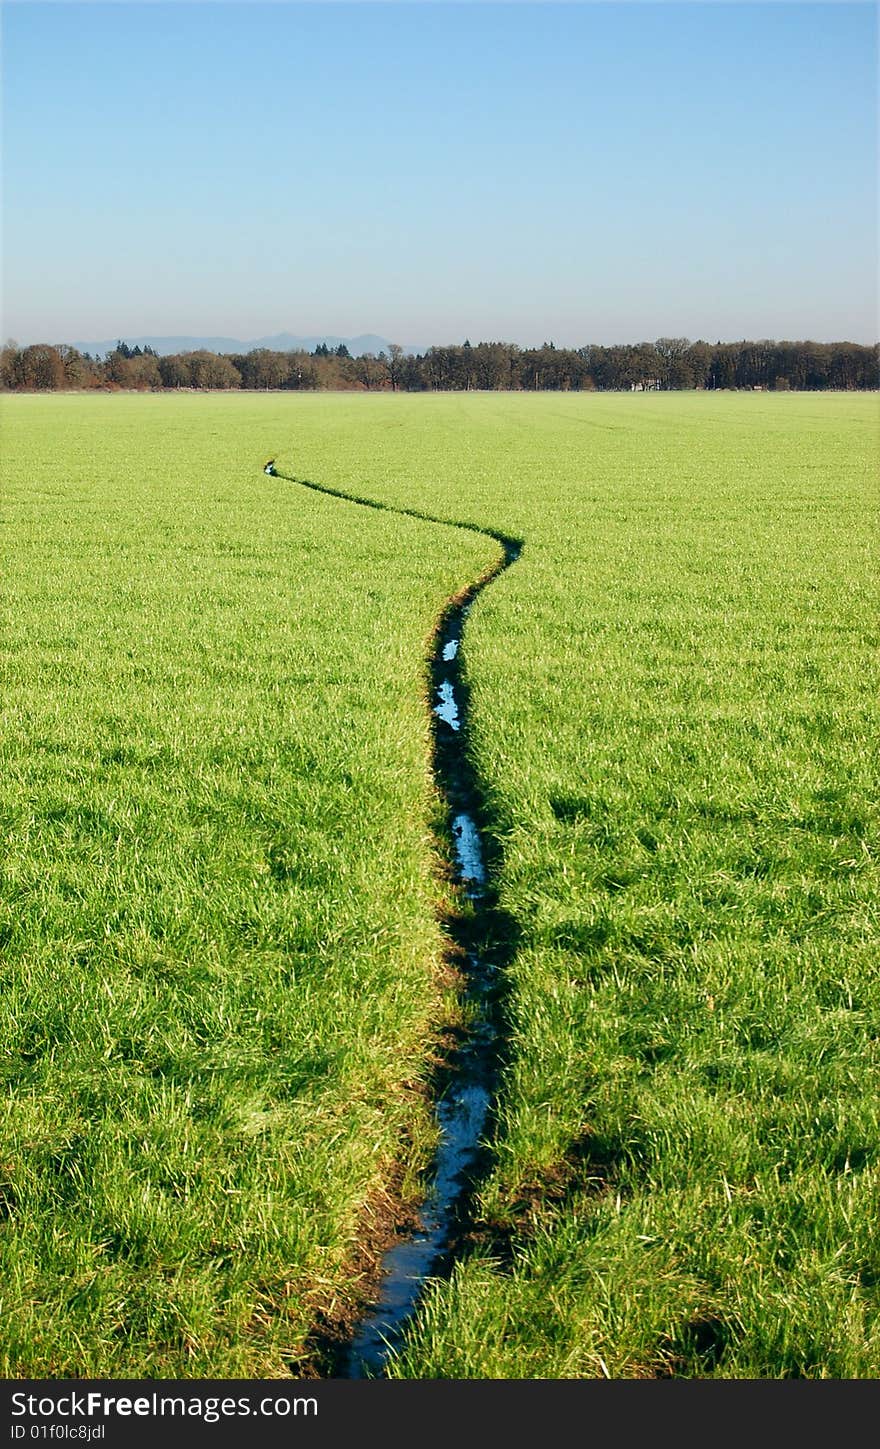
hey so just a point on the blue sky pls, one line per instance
(575, 172)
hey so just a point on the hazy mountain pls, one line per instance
(280, 342)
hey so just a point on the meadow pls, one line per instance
(223, 949)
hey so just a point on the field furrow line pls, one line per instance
(482, 942)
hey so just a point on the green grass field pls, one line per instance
(222, 968)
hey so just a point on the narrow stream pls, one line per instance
(462, 1110)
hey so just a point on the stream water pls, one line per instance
(462, 1109)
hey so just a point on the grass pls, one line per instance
(220, 969)
(675, 704)
(219, 984)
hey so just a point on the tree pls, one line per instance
(302, 370)
(208, 370)
(395, 364)
(675, 368)
(271, 369)
(438, 364)
(494, 364)
(41, 367)
(9, 366)
(77, 371)
(700, 359)
(371, 371)
(174, 370)
(118, 368)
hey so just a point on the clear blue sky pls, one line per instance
(575, 172)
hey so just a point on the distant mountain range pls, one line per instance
(281, 342)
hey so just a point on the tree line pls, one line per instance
(670, 363)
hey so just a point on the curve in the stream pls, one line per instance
(485, 938)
